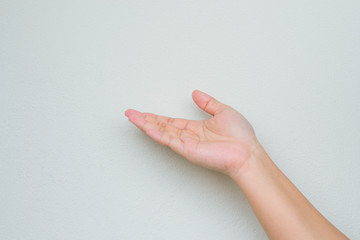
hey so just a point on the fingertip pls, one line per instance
(200, 97)
(130, 111)
(196, 91)
(195, 94)
(199, 93)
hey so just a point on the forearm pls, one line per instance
(280, 207)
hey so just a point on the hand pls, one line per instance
(222, 143)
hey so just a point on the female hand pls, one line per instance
(222, 143)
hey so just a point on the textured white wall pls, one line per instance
(73, 167)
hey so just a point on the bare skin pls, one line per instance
(226, 142)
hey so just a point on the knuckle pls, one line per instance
(162, 126)
(170, 120)
(171, 138)
(179, 133)
(187, 124)
(208, 104)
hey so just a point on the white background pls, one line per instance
(73, 167)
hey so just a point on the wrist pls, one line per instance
(257, 163)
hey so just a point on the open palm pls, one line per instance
(221, 143)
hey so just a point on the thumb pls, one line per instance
(207, 102)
